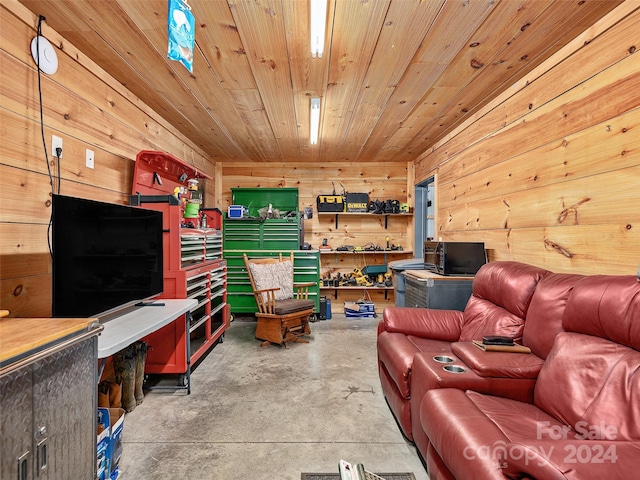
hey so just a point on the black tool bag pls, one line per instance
(330, 203)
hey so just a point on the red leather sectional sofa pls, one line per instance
(573, 403)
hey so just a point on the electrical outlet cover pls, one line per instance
(89, 158)
(55, 143)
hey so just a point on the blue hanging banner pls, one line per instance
(181, 26)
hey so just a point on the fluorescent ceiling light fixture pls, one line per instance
(318, 15)
(314, 121)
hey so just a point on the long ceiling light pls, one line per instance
(318, 15)
(314, 122)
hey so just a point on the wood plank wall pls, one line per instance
(549, 173)
(380, 180)
(86, 108)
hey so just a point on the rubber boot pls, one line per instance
(141, 358)
(124, 364)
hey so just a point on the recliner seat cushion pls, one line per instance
(599, 381)
(292, 305)
(469, 431)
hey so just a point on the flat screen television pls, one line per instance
(105, 256)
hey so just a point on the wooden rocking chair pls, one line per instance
(284, 308)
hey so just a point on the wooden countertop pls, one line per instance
(427, 274)
(19, 336)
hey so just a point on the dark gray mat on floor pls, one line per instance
(336, 476)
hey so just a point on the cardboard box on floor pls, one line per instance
(361, 309)
(109, 442)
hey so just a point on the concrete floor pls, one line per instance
(271, 413)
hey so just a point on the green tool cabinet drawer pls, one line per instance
(241, 234)
(270, 234)
(306, 268)
(278, 234)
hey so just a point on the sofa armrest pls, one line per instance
(422, 322)
(572, 458)
(497, 364)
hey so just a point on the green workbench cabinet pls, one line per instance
(306, 268)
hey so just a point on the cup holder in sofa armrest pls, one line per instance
(443, 359)
(497, 364)
(454, 368)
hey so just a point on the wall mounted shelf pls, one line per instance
(364, 252)
(386, 215)
(356, 287)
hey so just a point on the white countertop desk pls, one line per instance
(121, 330)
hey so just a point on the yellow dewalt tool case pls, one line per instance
(357, 202)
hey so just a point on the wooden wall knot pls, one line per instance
(558, 248)
(572, 210)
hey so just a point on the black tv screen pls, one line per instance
(104, 256)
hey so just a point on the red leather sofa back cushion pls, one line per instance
(606, 306)
(544, 317)
(499, 301)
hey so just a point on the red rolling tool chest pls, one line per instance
(193, 264)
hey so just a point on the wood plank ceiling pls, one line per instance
(396, 75)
